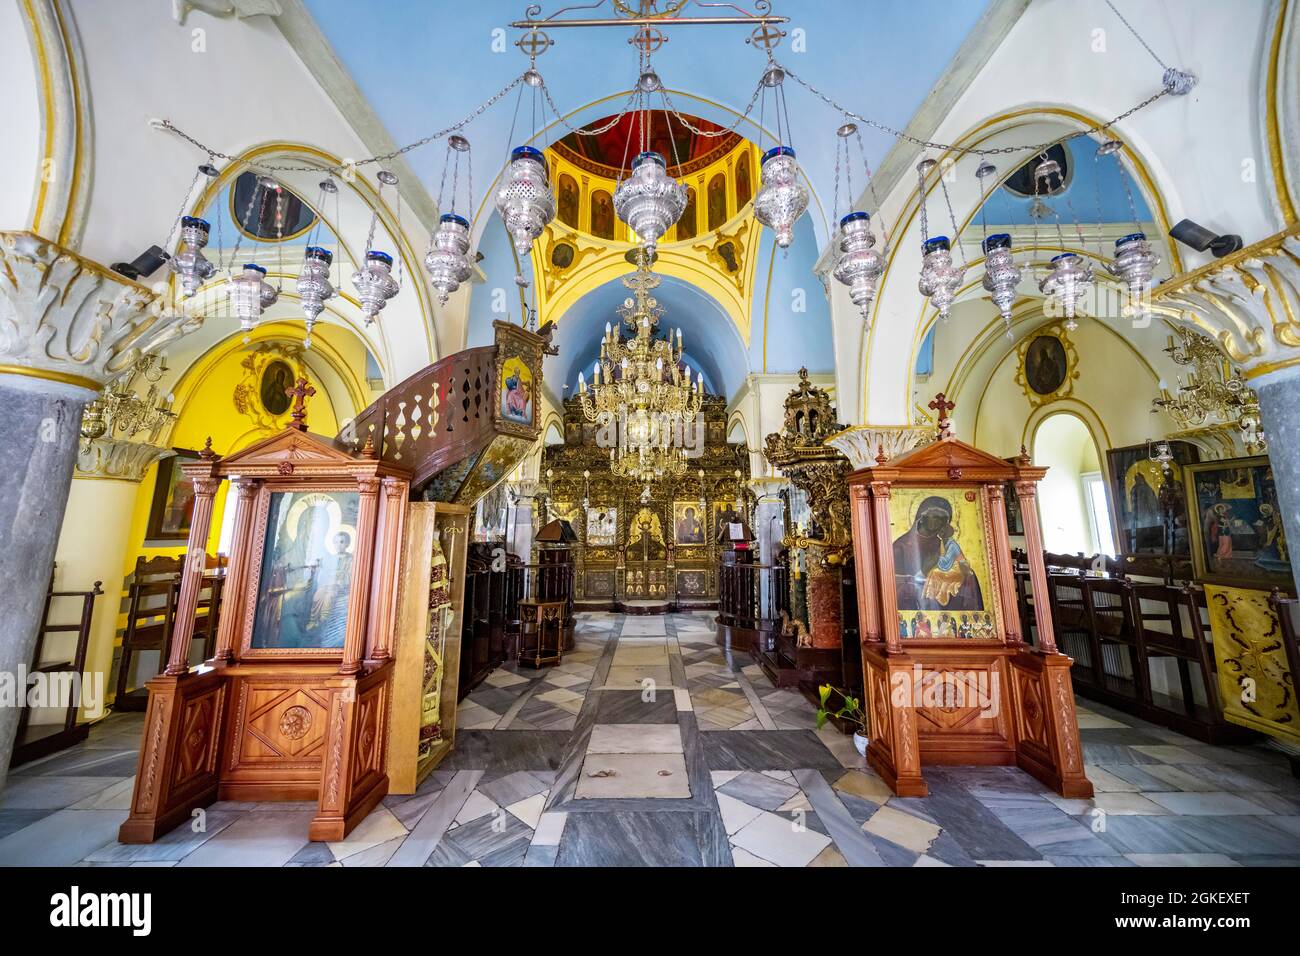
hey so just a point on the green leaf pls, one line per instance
(821, 717)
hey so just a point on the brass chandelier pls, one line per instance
(641, 393)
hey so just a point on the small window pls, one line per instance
(272, 215)
(1094, 492)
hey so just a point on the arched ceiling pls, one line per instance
(712, 344)
(424, 67)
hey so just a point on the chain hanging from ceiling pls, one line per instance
(648, 199)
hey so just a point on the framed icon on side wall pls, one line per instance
(173, 499)
(1236, 529)
(1136, 483)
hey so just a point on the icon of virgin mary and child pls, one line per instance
(930, 571)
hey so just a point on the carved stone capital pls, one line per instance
(117, 458)
(1248, 302)
(67, 319)
(861, 444)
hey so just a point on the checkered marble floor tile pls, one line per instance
(707, 765)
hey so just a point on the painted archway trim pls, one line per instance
(61, 192)
(411, 261)
(996, 125)
(191, 380)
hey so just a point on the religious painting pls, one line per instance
(726, 251)
(724, 514)
(306, 574)
(567, 207)
(688, 522)
(717, 201)
(1045, 364)
(1237, 533)
(602, 215)
(943, 577)
(516, 391)
(602, 527)
(173, 499)
(1137, 484)
(744, 191)
(686, 224)
(277, 380)
(562, 254)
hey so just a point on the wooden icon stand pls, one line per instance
(294, 703)
(949, 678)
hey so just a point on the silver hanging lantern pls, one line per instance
(524, 200)
(314, 285)
(448, 261)
(940, 276)
(1001, 274)
(1066, 284)
(251, 295)
(1134, 265)
(190, 264)
(375, 283)
(860, 266)
(649, 200)
(781, 199)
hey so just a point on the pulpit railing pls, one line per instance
(752, 596)
(440, 422)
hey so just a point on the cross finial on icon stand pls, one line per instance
(300, 391)
(941, 405)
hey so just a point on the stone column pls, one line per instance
(1279, 412)
(68, 326)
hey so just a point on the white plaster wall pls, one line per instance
(234, 84)
(20, 151)
(760, 407)
(1194, 145)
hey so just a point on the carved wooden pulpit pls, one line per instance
(949, 678)
(294, 703)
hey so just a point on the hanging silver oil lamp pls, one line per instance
(1001, 274)
(1066, 284)
(375, 283)
(189, 264)
(314, 285)
(251, 295)
(782, 198)
(649, 201)
(940, 276)
(1134, 265)
(860, 266)
(525, 200)
(448, 262)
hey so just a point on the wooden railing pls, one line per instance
(441, 421)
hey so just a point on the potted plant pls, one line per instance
(849, 710)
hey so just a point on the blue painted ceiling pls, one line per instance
(712, 343)
(425, 66)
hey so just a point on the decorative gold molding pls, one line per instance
(67, 319)
(1058, 331)
(1248, 302)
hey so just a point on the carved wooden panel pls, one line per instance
(199, 737)
(279, 722)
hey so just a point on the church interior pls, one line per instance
(650, 433)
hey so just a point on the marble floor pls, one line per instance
(650, 746)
